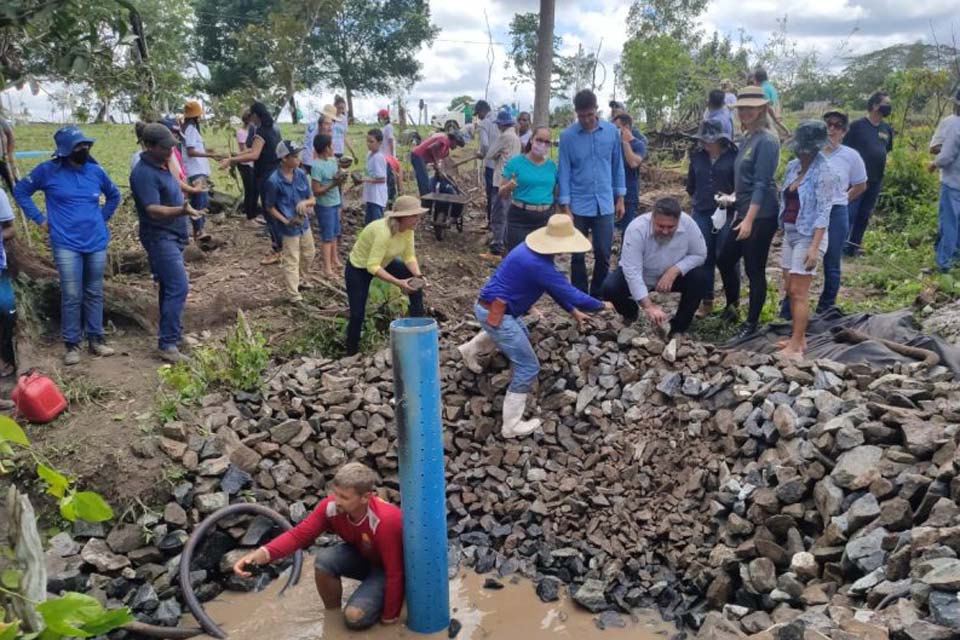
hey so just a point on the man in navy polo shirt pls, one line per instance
(164, 232)
(592, 186)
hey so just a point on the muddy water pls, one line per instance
(514, 612)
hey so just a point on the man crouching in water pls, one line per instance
(371, 551)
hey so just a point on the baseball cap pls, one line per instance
(383, 113)
(158, 134)
(286, 148)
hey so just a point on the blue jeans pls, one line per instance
(513, 340)
(837, 232)
(81, 293)
(371, 212)
(420, 171)
(328, 222)
(498, 222)
(166, 264)
(343, 560)
(630, 209)
(600, 229)
(859, 212)
(199, 201)
(949, 235)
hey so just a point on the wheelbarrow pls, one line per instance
(444, 205)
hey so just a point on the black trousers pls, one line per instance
(358, 288)
(754, 250)
(691, 288)
(250, 195)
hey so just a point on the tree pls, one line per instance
(371, 46)
(51, 39)
(544, 66)
(654, 70)
(263, 47)
(674, 18)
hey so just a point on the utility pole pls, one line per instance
(544, 69)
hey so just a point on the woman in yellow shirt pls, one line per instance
(384, 249)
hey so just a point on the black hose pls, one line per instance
(165, 633)
(189, 597)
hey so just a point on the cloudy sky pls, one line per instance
(457, 63)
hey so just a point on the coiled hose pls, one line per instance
(189, 597)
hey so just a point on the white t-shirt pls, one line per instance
(194, 166)
(849, 166)
(376, 168)
(339, 134)
(525, 138)
(389, 142)
(306, 156)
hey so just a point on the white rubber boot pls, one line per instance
(513, 424)
(479, 345)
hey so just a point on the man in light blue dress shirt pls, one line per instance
(592, 186)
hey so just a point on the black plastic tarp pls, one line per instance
(897, 326)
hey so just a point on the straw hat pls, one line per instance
(559, 236)
(192, 110)
(751, 97)
(329, 112)
(405, 206)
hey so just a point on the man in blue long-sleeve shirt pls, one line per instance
(522, 278)
(72, 183)
(592, 186)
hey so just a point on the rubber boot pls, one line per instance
(479, 345)
(513, 424)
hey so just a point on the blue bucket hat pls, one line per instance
(809, 137)
(505, 117)
(66, 138)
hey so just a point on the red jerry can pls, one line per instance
(37, 398)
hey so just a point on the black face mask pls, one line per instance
(80, 156)
(886, 110)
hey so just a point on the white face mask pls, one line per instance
(538, 148)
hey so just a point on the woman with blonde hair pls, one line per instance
(756, 206)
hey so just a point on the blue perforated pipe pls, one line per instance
(416, 379)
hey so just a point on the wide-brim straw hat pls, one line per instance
(751, 97)
(192, 110)
(329, 112)
(559, 236)
(405, 206)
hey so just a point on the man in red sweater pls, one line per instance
(372, 549)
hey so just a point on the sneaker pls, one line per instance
(271, 258)
(747, 330)
(98, 348)
(172, 355)
(72, 355)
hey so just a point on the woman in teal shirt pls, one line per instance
(530, 180)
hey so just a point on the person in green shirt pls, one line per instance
(384, 249)
(530, 181)
(327, 180)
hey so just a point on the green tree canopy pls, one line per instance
(371, 46)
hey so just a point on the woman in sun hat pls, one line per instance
(196, 163)
(809, 188)
(710, 175)
(521, 279)
(755, 222)
(384, 249)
